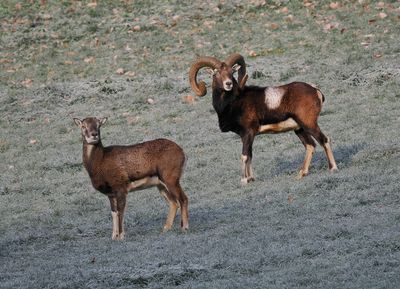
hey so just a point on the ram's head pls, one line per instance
(222, 73)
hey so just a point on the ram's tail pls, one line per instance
(321, 96)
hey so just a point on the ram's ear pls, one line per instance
(78, 122)
(211, 71)
(236, 67)
(102, 120)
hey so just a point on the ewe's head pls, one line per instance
(222, 73)
(90, 128)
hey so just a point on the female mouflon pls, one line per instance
(116, 170)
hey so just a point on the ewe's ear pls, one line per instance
(78, 122)
(102, 120)
(236, 67)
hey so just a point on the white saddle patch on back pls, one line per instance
(273, 97)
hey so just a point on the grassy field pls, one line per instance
(64, 59)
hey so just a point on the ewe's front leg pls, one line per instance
(247, 154)
(118, 204)
(121, 205)
(115, 221)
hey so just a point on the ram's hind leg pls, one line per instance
(325, 143)
(309, 145)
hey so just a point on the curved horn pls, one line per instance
(205, 61)
(237, 58)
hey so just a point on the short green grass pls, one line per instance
(60, 61)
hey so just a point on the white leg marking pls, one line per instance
(243, 159)
(247, 171)
(115, 232)
(329, 155)
(307, 160)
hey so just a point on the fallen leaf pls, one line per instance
(252, 53)
(132, 119)
(188, 99)
(334, 5)
(47, 17)
(130, 73)
(120, 71)
(274, 26)
(27, 82)
(89, 59)
(209, 24)
(5, 60)
(289, 18)
(68, 62)
(330, 26)
(136, 28)
(92, 5)
(377, 55)
(382, 15)
(284, 10)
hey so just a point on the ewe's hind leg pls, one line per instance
(309, 145)
(176, 196)
(173, 208)
(184, 202)
(325, 143)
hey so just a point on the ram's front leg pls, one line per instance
(247, 154)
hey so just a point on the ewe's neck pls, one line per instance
(92, 152)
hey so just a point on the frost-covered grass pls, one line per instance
(338, 230)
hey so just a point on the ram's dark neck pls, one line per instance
(224, 103)
(223, 100)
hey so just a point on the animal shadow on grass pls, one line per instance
(343, 156)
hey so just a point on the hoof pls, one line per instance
(245, 181)
(118, 237)
(166, 229)
(334, 169)
(301, 175)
